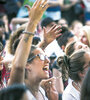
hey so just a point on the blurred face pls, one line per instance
(50, 25)
(63, 23)
(83, 37)
(80, 45)
(2, 30)
(40, 65)
(77, 28)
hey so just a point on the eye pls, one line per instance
(80, 46)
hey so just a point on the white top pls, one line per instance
(43, 93)
(53, 47)
(87, 5)
(70, 93)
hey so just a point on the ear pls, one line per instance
(28, 67)
(81, 74)
(63, 47)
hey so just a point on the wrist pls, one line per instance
(31, 26)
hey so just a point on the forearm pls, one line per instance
(23, 48)
(21, 56)
(19, 20)
(43, 44)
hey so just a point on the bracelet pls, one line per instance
(30, 33)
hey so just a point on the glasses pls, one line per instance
(41, 56)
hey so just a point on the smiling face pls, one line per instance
(39, 67)
(80, 45)
(83, 37)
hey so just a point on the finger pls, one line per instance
(35, 3)
(46, 6)
(58, 31)
(44, 2)
(53, 26)
(39, 2)
(44, 31)
(58, 35)
(28, 7)
(57, 28)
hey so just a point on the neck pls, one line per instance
(33, 87)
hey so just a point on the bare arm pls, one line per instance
(23, 49)
(16, 21)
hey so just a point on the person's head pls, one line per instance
(37, 66)
(14, 38)
(3, 17)
(76, 65)
(85, 88)
(87, 23)
(47, 22)
(85, 35)
(15, 92)
(63, 22)
(76, 26)
(65, 38)
(36, 40)
(74, 46)
(2, 27)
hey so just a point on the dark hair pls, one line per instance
(36, 40)
(14, 92)
(70, 48)
(31, 54)
(72, 65)
(63, 39)
(46, 21)
(85, 88)
(2, 23)
(2, 15)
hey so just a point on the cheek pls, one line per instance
(84, 40)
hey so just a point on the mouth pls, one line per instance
(46, 68)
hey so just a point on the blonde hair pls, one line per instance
(87, 30)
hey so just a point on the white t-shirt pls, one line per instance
(87, 5)
(53, 47)
(70, 93)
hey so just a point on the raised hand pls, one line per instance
(50, 89)
(37, 10)
(52, 33)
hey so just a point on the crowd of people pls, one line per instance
(44, 50)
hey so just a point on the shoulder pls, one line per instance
(43, 93)
(70, 93)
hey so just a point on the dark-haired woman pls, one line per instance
(31, 65)
(74, 67)
(85, 88)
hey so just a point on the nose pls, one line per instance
(47, 60)
(86, 46)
